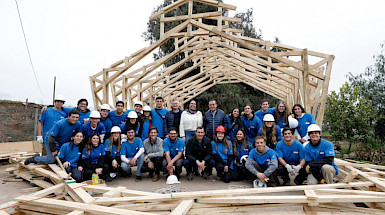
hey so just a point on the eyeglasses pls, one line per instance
(172, 133)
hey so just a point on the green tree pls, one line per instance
(349, 116)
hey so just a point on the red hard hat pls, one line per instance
(221, 129)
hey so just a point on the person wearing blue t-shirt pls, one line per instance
(241, 149)
(262, 162)
(319, 156)
(94, 126)
(223, 156)
(70, 153)
(250, 123)
(304, 120)
(113, 147)
(234, 123)
(104, 111)
(59, 134)
(48, 119)
(132, 122)
(291, 158)
(264, 109)
(93, 159)
(281, 114)
(158, 115)
(146, 122)
(83, 110)
(117, 116)
(270, 131)
(132, 154)
(173, 148)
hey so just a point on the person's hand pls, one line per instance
(226, 169)
(261, 176)
(80, 168)
(98, 171)
(151, 165)
(297, 168)
(39, 139)
(55, 153)
(302, 140)
(43, 109)
(132, 162)
(66, 164)
(123, 138)
(86, 120)
(184, 139)
(145, 158)
(289, 168)
(114, 164)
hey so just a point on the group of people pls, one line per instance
(256, 146)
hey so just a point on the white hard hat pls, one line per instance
(60, 98)
(257, 183)
(146, 108)
(268, 118)
(172, 179)
(115, 129)
(105, 107)
(132, 115)
(293, 123)
(95, 114)
(313, 127)
(138, 103)
(244, 158)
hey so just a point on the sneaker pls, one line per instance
(138, 178)
(205, 176)
(112, 174)
(155, 178)
(30, 160)
(190, 176)
(150, 175)
(323, 181)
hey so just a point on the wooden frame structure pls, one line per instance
(221, 55)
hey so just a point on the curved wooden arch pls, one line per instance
(221, 55)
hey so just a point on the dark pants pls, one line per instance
(178, 166)
(273, 178)
(112, 169)
(191, 166)
(230, 175)
(76, 174)
(89, 170)
(157, 161)
(299, 179)
(242, 172)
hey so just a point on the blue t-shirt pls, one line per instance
(233, 132)
(304, 122)
(244, 150)
(220, 150)
(95, 154)
(264, 159)
(114, 151)
(107, 124)
(62, 130)
(124, 129)
(260, 114)
(281, 123)
(324, 149)
(49, 118)
(88, 130)
(70, 152)
(130, 149)
(292, 154)
(146, 128)
(173, 147)
(115, 119)
(251, 127)
(157, 120)
(278, 136)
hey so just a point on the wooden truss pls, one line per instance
(358, 183)
(221, 55)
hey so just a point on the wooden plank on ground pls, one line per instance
(379, 184)
(76, 212)
(82, 194)
(350, 176)
(116, 192)
(183, 207)
(312, 196)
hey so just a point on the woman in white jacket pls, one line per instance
(190, 120)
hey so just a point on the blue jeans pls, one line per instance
(48, 159)
(139, 163)
(189, 135)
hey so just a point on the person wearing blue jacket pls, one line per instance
(291, 158)
(59, 134)
(262, 162)
(304, 120)
(118, 116)
(158, 115)
(113, 147)
(131, 122)
(146, 123)
(104, 111)
(93, 159)
(234, 123)
(250, 123)
(83, 110)
(213, 118)
(94, 126)
(319, 156)
(271, 132)
(223, 156)
(281, 114)
(70, 153)
(264, 109)
(241, 149)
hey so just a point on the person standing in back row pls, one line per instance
(190, 121)
(172, 119)
(158, 115)
(264, 109)
(213, 118)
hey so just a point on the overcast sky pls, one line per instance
(75, 39)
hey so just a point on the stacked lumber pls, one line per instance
(359, 189)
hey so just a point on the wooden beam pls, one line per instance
(183, 207)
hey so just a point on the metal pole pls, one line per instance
(54, 89)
